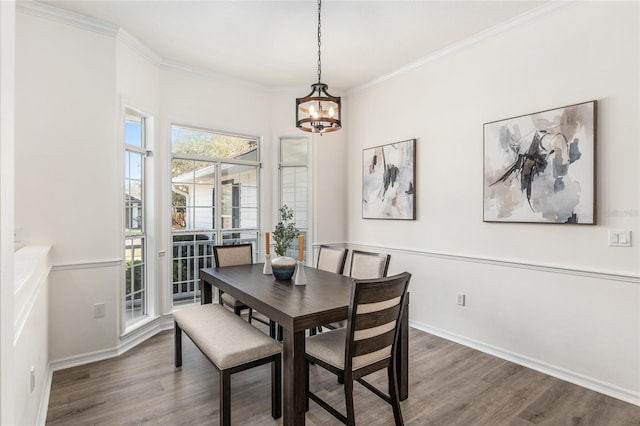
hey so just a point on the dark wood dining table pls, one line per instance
(297, 308)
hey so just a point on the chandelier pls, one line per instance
(318, 112)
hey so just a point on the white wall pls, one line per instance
(7, 146)
(66, 140)
(66, 167)
(555, 297)
(24, 367)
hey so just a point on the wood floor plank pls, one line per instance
(449, 384)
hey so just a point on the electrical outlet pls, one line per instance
(99, 310)
(461, 299)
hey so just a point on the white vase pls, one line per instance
(283, 267)
(301, 277)
(267, 265)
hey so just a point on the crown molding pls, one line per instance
(465, 43)
(212, 74)
(95, 25)
(53, 13)
(128, 38)
(91, 24)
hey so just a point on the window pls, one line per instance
(214, 200)
(135, 239)
(294, 185)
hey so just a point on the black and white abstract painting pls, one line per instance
(540, 167)
(388, 181)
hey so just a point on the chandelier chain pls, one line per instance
(319, 34)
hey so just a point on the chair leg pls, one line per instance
(250, 315)
(177, 345)
(276, 387)
(272, 329)
(348, 399)
(393, 394)
(279, 333)
(225, 398)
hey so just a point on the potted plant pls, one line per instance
(285, 232)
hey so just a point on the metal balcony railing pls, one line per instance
(192, 251)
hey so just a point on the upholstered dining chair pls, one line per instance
(364, 265)
(233, 255)
(369, 343)
(369, 265)
(332, 259)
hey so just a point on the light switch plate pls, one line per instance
(619, 238)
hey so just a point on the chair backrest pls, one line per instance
(241, 254)
(332, 259)
(366, 265)
(374, 316)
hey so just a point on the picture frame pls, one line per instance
(540, 167)
(388, 181)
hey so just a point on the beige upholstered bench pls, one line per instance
(232, 345)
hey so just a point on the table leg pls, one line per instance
(402, 361)
(206, 292)
(293, 357)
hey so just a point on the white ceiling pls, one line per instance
(274, 43)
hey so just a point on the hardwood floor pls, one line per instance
(450, 384)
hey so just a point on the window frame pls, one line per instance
(150, 308)
(217, 231)
(307, 231)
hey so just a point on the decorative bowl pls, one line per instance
(283, 267)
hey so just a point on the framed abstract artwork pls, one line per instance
(388, 181)
(540, 167)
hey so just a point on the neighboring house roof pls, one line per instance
(130, 199)
(210, 170)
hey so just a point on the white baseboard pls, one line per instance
(44, 399)
(126, 343)
(614, 391)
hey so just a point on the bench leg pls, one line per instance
(177, 343)
(276, 387)
(225, 398)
